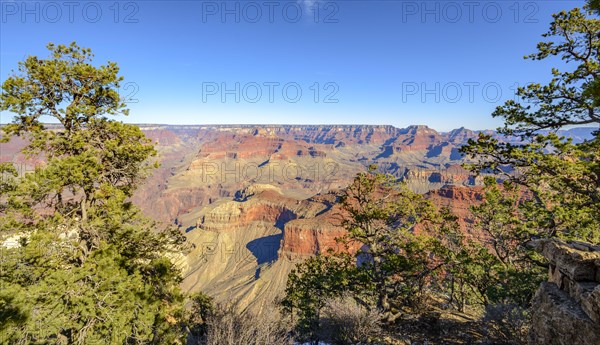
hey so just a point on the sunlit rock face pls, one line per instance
(202, 164)
(566, 309)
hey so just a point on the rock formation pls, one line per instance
(202, 164)
(566, 309)
(246, 246)
(256, 199)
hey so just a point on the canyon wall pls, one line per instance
(245, 246)
(255, 200)
(202, 164)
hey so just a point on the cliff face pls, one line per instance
(246, 245)
(459, 199)
(317, 134)
(306, 237)
(202, 164)
(566, 309)
(315, 232)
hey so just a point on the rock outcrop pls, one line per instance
(459, 200)
(307, 237)
(566, 309)
(246, 246)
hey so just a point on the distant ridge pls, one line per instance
(578, 134)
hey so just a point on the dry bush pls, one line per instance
(506, 324)
(344, 321)
(225, 326)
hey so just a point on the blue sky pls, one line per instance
(445, 64)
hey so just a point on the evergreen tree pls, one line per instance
(562, 176)
(403, 250)
(498, 268)
(88, 268)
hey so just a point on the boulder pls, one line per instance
(566, 310)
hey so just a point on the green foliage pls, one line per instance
(500, 269)
(566, 99)
(594, 5)
(88, 267)
(200, 308)
(562, 176)
(98, 301)
(65, 86)
(309, 286)
(398, 247)
(395, 260)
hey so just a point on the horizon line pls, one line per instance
(308, 125)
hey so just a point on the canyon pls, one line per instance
(253, 200)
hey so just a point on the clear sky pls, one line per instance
(445, 64)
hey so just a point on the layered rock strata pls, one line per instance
(566, 309)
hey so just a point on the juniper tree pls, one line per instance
(398, 250)
(89, 268)
(563, 176)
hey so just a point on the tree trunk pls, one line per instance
(84, 207)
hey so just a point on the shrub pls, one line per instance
(344, 321)
(226, 326)
(506, 324)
